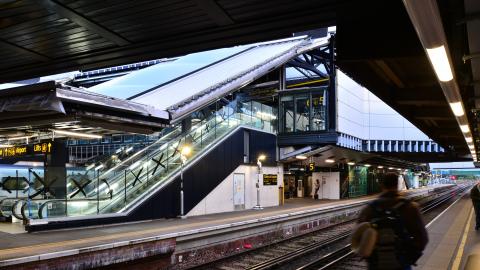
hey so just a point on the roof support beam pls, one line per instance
(216, 13)
(77, 18)
(21, 50)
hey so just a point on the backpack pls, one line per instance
(394, 248)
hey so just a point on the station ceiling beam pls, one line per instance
(83, 21)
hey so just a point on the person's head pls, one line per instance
(390, 182)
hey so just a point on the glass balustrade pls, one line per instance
(100, 191)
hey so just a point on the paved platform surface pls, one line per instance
(14, 245)
(452, 237)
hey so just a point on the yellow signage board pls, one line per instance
(42, 148)
(13, 151)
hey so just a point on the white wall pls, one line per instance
(451, 165)
(363, 115)
(221, 198)
(330, 189)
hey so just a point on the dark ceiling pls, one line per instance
(41, 37)
(376, 42)
(378, 46)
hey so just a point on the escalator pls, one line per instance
(134, 182)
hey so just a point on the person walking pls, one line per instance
(400, 234)
(317, 188)
(475, 196)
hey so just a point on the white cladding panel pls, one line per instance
(363, 115)
(221, 199)
(329, 187)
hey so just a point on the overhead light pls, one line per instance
(380, 167)
(367, 165)
(441, 65)
(77, 134)
(129, 149)
(351, 163)
(457, 108)
(98, 167)
(19, 138)
(329, 160)
(186, 150)
(471, 146)
(6, 145)
(390, 168)
(301, 157)
(468, 139)
(465, 128)
(398, 169)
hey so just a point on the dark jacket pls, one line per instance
(475, 193)
(410, 214)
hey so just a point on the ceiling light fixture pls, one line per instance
(465, 128)
(457, 108)
(439, 59)
(301, 157)
(76, 134)
(329, 160)
(351, 163)
(468, 139)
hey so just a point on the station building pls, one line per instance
(216, 131)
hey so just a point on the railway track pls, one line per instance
(343, 258)
(321, 247)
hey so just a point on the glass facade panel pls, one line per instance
(302, 113)
(318, 111)
(287, 109)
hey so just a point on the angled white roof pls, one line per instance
(194, 80)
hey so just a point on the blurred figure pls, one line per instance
(475, 196)
(400, 232)
(317, 188)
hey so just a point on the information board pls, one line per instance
(270, 179)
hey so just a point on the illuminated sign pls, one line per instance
(22, 150)
(311, 167)
(42, 148)
(270, 179)
(13, 151)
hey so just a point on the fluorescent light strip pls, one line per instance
(465, 128)
(301, 157)
(441, 65)
(468, 139)
(329, 160)
(457, 108)
(77, 134)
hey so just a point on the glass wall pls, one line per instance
(303, 111)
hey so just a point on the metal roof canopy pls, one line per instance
(44, 106)
(52, 36)
(390, 61)
(377, 44)
(344, 155)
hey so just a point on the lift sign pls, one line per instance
(42, 148)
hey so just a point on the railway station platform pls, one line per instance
(452, 238)
(172, 241)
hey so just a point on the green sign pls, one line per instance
(270, 179)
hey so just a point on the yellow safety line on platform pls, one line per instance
(458, 258)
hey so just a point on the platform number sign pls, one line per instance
(311, 167)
